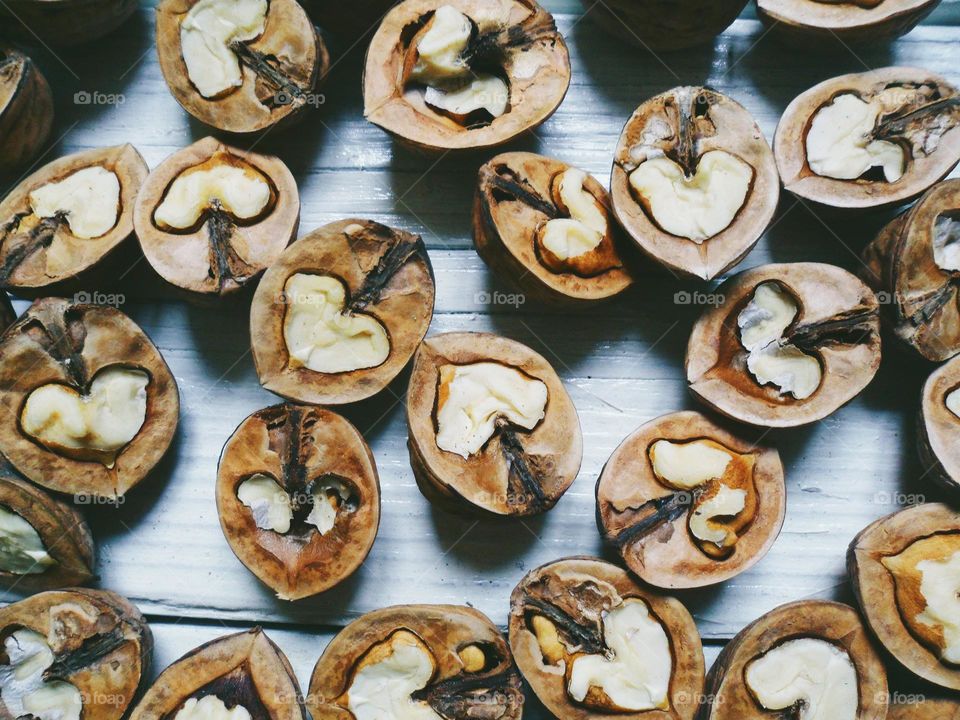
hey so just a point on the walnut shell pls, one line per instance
(664, 24)
(576, 591)
(7, 314)
(298, 447)
(222, 254)
(26, 110)
(62, 530)
(647, 521)
(692, 121)
(925, 708)
(282, 69)
(938, 428)
(100, 642)
(47, 257)
(531, 53)
(822, 21)
(729, 698)
(516, 472)
(930, 135)
(465, 683)
(883, 594)
(64, 23)
(923, 307)
(837, 322)
(514, 199)
(57, 341)
(245, 668)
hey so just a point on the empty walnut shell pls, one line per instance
(517, 195)
(649, 521)
(515, 39)
(517, 471)
(558, 614)
(925, 708)
(908, 264)
(938, 429)
(281, 68)
(683, 125)
(314, 456)
(920, 113)
(26, 109)
(837, 322)
(65, 538)
(220, 252)
(100, 643)
(882, 563)
(662, 24)
(245, 669)
(472, 672)
(386, 275)
(859, 21)
(68, 22)
(43, 254)
(60, 343)
(728, 696)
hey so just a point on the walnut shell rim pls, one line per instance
(249, 451)
(172, 254)
(677, 563)
(812, 20)
(26, 109)
(736, 133)
(938, 428)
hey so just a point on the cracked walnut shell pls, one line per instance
(938, 427)
(858, 21)
(664, 24)
(26, 109)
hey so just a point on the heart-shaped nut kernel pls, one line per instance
(210, 218)
(938, 429)
(492, 429)
(592, 642)
(338, 316)
(299, 498)
(60, 225)
(829, 21)
(240, 65)
(925, 708)
(26, 109)
(869, 140)
(72, 653)
(244, 675)
(547, 227)
(59, 351)
(694, 182)
(788, 345)
(905, 570)
(656, 25)
(808, 659)
(44, 542)
(687, 503)
(914, 261)
(445, 75)
(417, 661)
(67, 22)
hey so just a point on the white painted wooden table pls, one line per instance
(623, 362)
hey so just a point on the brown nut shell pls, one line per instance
(530, 52)
(883, 577)
(7, 314)
(514, 200)
(927, 126)
(647, 520)
(923, 307)
(517, 472)
(459, 688)
(299, 448)
(387, 275)
(684, 124)
(26, 109)
(577, 591)
(221, 254)
(860, 21)
(938, 428)
(282, 68)
(664, 24)
(837, 322)
(100, 642)
(64, 23)
(42, 255)
(63, 531)
(925, 708)
(729, 698)
(59, 342)
(244, 668)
